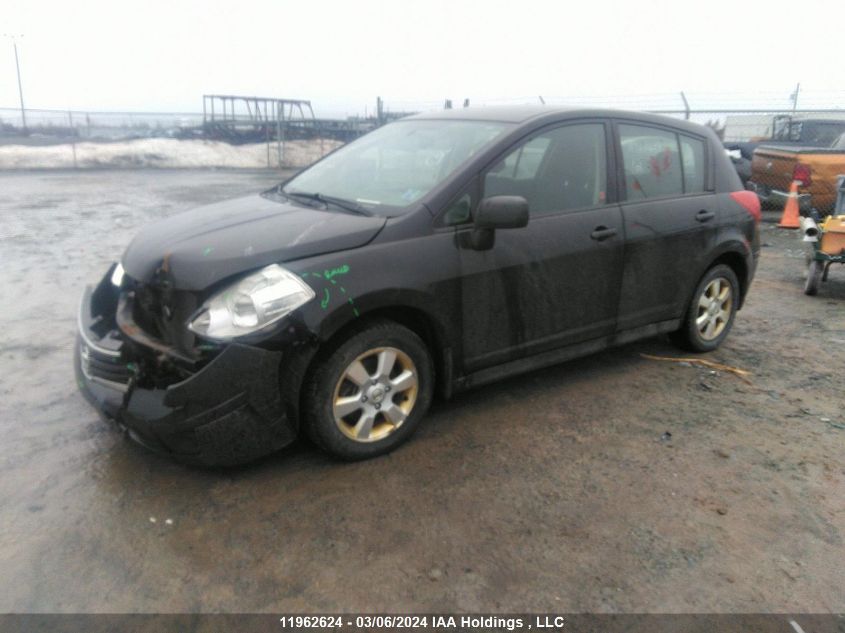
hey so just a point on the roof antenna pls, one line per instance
(542, 100)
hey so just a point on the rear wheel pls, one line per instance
(711, 312)
(368, 396)
(814, 277)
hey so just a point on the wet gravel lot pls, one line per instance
(611, 483)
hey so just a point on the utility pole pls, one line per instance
(794, 97)
(20, 86)
(686, 105)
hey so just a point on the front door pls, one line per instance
(556, 281)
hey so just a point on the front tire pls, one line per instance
(710, 314)
(368, 396)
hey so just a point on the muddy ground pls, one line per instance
(561, 490)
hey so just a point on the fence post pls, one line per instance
(280, 115)
(72, 136)
(267, 135)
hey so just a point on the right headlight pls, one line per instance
(251, 304)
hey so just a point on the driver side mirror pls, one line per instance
(497, 212)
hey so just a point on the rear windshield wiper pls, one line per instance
(343, 203)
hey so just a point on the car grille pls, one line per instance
(104, 368)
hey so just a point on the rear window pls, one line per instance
(652, 162)
(820, 134)
(660, 163)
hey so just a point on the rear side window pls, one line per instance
(692, 157)
(559, 170)
(652, 162)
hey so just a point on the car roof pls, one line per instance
(521, 114)
(508, 114)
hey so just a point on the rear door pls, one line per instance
(555, 281)
(670, 216)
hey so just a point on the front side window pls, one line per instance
(559, 170)
(652, 162)
(396, 165)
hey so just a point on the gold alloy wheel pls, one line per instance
(714, 309)
(375, 394)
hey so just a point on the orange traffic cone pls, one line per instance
(790, 219)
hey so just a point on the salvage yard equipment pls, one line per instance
(828, 242)
(828, 249)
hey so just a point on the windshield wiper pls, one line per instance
(343, 203)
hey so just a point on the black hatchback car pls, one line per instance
(434, 254)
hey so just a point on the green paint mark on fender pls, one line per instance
(328, 275)
(340, 270)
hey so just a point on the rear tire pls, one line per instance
(815, 269)
(711, 311)
(368, 396)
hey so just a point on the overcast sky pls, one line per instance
(163, 55)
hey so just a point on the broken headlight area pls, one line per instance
(251, 304)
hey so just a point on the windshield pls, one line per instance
(397, 164)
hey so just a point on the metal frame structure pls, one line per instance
(243, 119)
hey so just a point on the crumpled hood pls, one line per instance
(197, 248)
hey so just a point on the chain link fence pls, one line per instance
(58, 125)
(42, 138)
(768, 136)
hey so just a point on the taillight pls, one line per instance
(749, 201)
(802, 173)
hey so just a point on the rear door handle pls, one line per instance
(704, 215)
(602, 233)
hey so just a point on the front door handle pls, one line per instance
(704, 215)
(602, 233)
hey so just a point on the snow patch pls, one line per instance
(160, 152)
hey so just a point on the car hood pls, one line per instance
(198, 248)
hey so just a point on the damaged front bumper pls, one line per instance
(225, 409)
